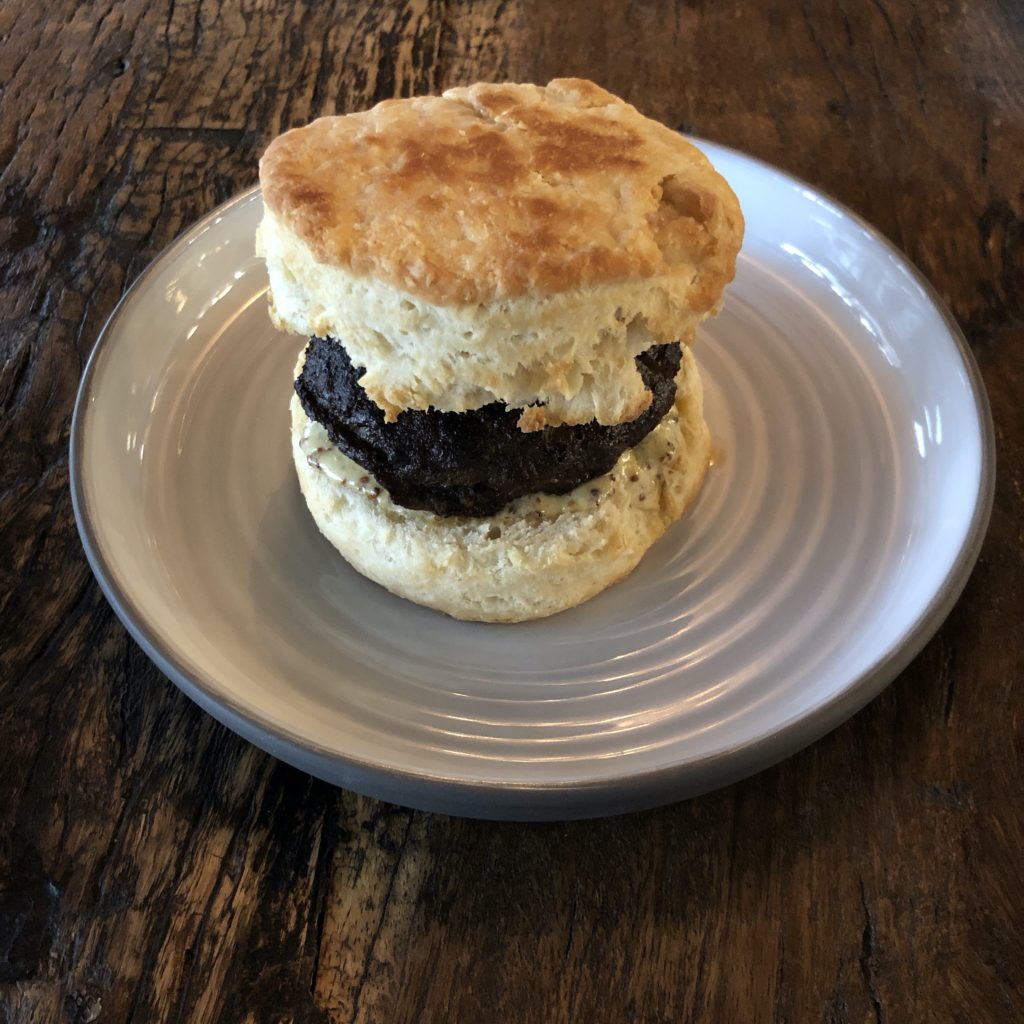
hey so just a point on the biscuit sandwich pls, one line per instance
(497, 412)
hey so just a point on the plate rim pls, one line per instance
(546, 799)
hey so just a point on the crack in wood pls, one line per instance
(868, 962)
(809, 21)
(572, 924)
(877, 4)
(946, 669)
(437, 68)
(198, 133)
(385, 906)
(320, 888)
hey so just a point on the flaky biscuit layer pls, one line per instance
(501, 242)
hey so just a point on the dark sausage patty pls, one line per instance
(470, 463)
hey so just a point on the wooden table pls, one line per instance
(155, 867)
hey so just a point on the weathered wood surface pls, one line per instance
(155, 867)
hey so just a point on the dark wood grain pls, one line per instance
(155, 867)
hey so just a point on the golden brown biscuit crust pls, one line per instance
(499, 191)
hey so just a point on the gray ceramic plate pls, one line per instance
(850, 493)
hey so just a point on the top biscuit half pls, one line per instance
(512, 243)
